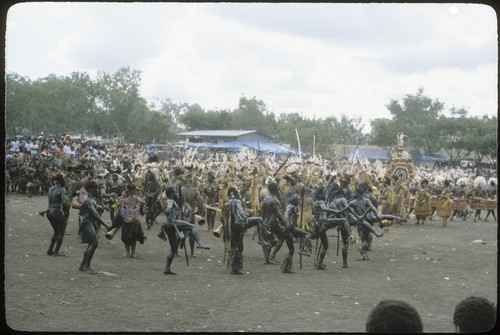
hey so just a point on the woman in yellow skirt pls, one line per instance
(444, 210)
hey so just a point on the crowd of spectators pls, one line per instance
(57, 146)
(98, 148)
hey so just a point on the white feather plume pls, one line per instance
(480, 181)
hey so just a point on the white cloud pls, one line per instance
(315, 59)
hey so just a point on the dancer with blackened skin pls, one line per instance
(211, 194)
(114, 189)
(327, 217)
(239, 222)
(365, 214)
(174, 229)
(91, 219)
(273, 221)
(292, 231)
(58, 214)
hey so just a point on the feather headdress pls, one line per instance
(463, 181)
(480, 181)
(439, 180)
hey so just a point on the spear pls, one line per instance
(298, 142)
(183, 241)
(314, 145)
(281, 166)
(302, 191)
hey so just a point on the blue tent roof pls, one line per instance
(433, 158)
(233, 146)
(156, 145)
(236, 146)
(370, 154)
(268, 147)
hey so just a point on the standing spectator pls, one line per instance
(33, 148)
(14, 143)
(83, 149)
(46, 151)
(394, 316)
(22, 144)
(60, 152)
(76, 149)
(53, 148)
(96, 154)
(67, 150)
(474, 315)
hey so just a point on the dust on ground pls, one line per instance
(430, 267)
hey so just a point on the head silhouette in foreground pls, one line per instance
(474, 315)
(390, 316)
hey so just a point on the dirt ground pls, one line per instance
(428, 266)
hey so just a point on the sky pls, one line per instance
(315, 59)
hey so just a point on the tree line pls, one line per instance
(429, 130)
(111, 105)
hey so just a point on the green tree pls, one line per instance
(252, 113)
(451, 136)
(172, 111)
(18, 102)
(149, 126)
(416, 116)
(326, 131)
(459, 112)
(481, 138)
(54, 104)
(118, 95)
(349, 130)
(194, 117)
(382, 133)
(286, 125)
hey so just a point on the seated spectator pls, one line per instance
(474, 315)
(394, 316)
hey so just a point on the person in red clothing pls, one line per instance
(60, 152)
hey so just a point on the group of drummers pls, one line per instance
(466, 201)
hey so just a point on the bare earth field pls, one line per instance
(428, 266)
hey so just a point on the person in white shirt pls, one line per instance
(14, 143)
(67, 150)
(33, 148)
